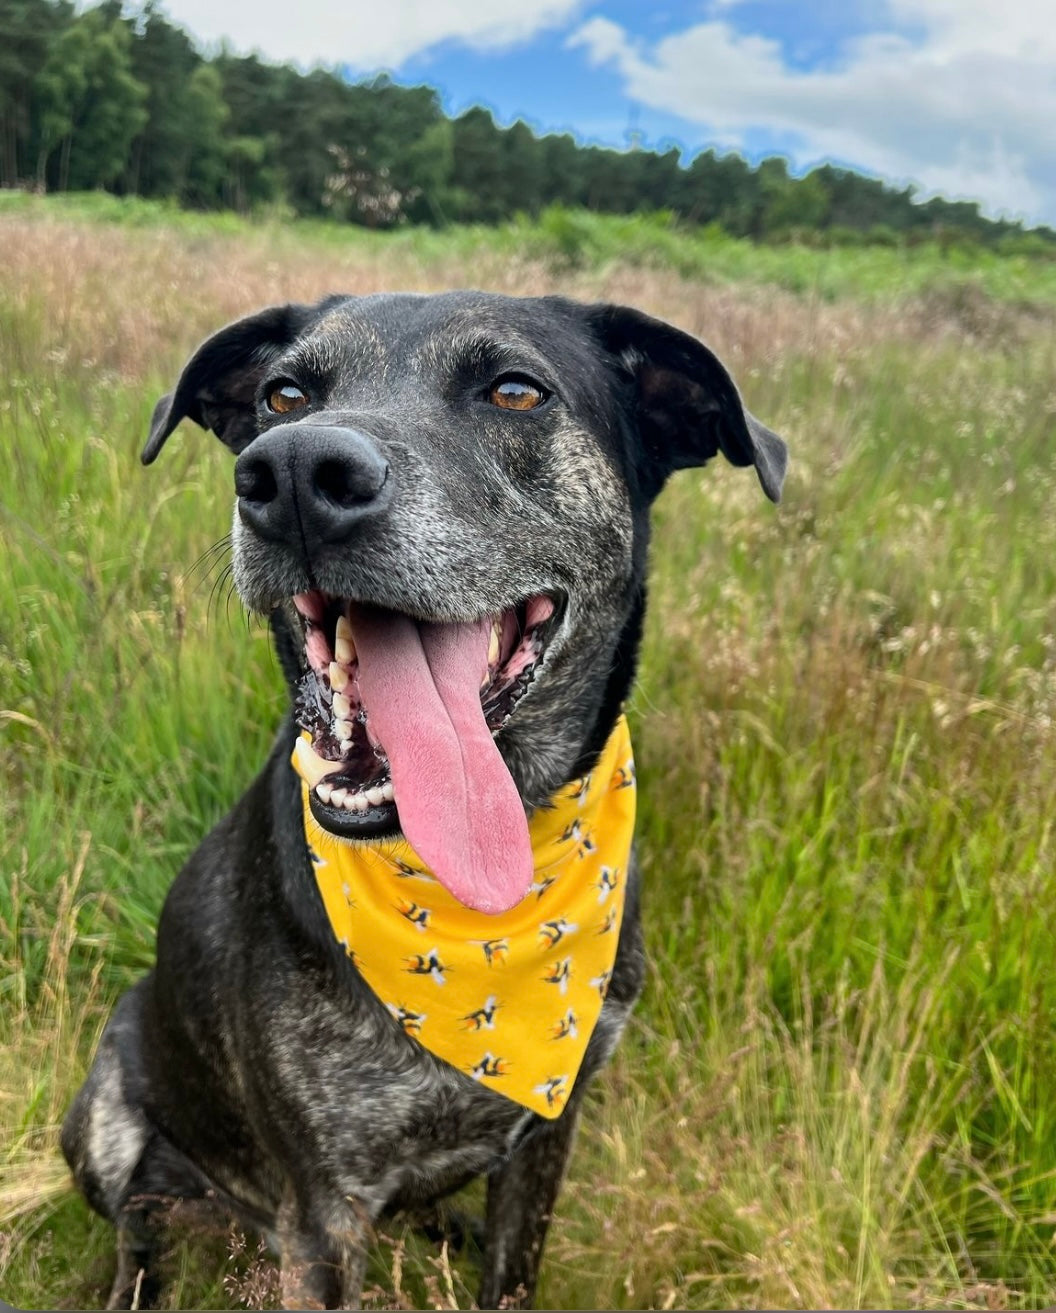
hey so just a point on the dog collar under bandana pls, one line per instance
(511, 1000)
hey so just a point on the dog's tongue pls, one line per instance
(458, 805)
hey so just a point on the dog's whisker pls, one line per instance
(207, 560)
(221, 582)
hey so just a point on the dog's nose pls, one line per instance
(316, 484)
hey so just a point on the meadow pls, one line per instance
(840, 1087)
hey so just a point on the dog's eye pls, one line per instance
(515, 392)
(285, 397)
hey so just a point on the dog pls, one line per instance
(442, 506)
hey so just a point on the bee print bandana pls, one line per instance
(511, 1000)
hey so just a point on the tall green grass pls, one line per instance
(840, 1089)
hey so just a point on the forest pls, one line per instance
(121, 99)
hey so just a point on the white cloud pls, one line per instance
(968, 108)
(367, 34)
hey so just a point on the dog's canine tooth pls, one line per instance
(344, 647)
(339, 677)
(493, 645)
(342, 707)
(313, 768)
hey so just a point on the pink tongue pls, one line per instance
(458, 805)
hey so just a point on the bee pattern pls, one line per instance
(408, 872)
(494, 950)
(489, 1065)
(427, 964)
(567, 1027)
(583, 790)
(540, 886)
(483, 1018)
(418, 916)
(584, 843)
(554, 1089)
(608, 882)
(601, 983)
(552, 932)
(412, 1022)
(624, 777)
(609, 924)
(560, 973)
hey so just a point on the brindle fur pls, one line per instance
(253, 1066)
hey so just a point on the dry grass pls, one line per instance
(124, 302)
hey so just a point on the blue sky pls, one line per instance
(553, 86)
(550, 86)
(956, 96)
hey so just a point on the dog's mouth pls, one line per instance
(399, 719)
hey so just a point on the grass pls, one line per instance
(840, 1088)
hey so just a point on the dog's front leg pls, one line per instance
(322, 1265)
(521, 1196)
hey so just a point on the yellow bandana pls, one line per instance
(511, 999)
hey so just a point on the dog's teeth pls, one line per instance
(312, 767)
(339, 677)
(324, 791)
(386, 791)
(343, 731)
(337, 797)
(360, 802)
(344, 647)
(345, 745)
(493, 645)
(375, 796)
(342, 706)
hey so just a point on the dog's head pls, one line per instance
(442, 502)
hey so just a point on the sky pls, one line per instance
(955, 96)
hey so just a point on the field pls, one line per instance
(840, 1087)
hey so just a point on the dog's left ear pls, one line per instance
(218, 386)
(687, 407)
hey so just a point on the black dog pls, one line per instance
(435, 494)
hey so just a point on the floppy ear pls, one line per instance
(218, 386)
(687, 407)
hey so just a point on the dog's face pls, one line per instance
(442, 502)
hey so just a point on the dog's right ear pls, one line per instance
(218, 386)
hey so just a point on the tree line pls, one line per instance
(125, 101)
